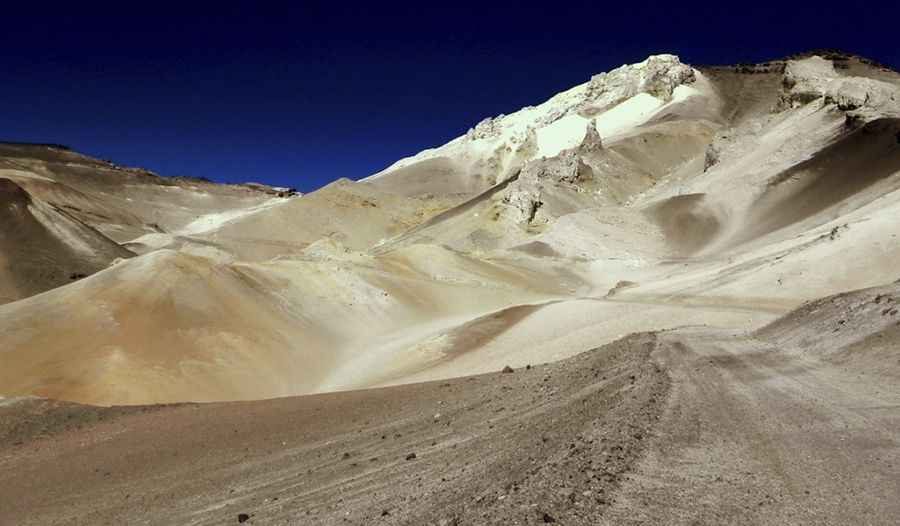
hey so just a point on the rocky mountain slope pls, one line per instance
(67, 215)
(652, 196)
(665, 296)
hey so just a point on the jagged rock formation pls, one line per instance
(657, 76)
(498, 147)
(816, 78)
(569, 170)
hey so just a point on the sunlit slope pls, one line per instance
(168, 326)
(655, 196)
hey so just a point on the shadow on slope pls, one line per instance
(42, 247)
(688, 222)
(838, 174)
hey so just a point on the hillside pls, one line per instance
(668, 295)
(652, 196)
(43, 247)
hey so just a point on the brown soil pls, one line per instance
(551, 442)
(693, 426)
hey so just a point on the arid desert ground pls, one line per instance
(669, 295)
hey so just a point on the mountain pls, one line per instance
(668, 295)
(652, 196)
(122, 203)
(67, 215)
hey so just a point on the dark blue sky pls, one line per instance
(299, 95)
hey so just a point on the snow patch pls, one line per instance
(628, 114)
(563, 134)
(209, 222)
(621, 99)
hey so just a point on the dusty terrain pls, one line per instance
(691, 270)
(695, 195)
(689, 426)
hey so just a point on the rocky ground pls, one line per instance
(691, 426)
(541, 444)
(756, 434)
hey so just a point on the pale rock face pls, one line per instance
(522, 203)
(658, 76)
(806, 80)
(854, 93)
(507, 156)
(498, 147)
(486, 129)
(592, 140)
(523, 197)
(814, 78)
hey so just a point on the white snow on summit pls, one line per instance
(616, 101)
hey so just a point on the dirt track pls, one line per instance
(693, 426)
(754, 434)
(552, 441)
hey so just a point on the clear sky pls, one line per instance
(302, 93)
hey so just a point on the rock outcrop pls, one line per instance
(523, 199)
(497, 147)
(659, 75)
(806, 80)
(816, 78)
(854, 93)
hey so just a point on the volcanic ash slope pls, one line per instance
(651, 197)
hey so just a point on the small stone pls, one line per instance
(508, 369)
(243, 517)
(547, 518)
(411, 456)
